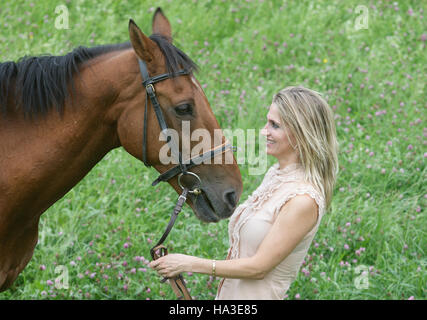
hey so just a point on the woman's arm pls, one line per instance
(293, 222)
(173, 264)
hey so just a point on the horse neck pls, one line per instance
(46, 157)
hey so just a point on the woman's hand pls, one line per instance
(171, 265)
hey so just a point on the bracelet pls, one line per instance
(213, 268)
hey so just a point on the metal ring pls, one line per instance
(196, 190)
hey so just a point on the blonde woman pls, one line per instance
(271, 232)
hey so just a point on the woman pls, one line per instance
(271, 232)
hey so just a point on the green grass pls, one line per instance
(247, 50)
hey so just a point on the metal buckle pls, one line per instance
(152, 87)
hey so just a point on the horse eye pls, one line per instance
(184, 110)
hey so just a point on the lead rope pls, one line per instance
(159, 250)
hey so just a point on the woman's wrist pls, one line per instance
(200, 265)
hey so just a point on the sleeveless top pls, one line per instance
(251, 222)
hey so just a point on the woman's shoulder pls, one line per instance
(300, 188)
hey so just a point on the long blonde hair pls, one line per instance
(310, 119)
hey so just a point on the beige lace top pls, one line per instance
(251, 222)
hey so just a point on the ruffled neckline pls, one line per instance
(273, 181)
(288, 169)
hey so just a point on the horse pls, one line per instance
(60, 115)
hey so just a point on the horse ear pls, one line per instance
(161, 25)
(143, 46)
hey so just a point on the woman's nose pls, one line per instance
(264, 131)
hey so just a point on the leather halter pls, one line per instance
(177, 283)
(148, 82)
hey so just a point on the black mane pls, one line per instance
(40, 83)
(175, 58)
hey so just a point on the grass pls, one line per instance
(373, 78)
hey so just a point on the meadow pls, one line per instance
(368, 58)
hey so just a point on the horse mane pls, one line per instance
(41, 83)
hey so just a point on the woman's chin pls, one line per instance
(269, 151)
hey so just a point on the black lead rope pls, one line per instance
(159, 250)
(178, 207)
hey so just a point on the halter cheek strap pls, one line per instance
(150, 92)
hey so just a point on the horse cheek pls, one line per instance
(129, 129)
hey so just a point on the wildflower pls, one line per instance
(297, 296)
(42, 267)
(305, 272)
(346, 246)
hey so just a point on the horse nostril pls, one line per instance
(230, 198)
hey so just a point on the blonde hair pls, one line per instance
(310, 119)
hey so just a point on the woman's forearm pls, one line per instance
(245, 268)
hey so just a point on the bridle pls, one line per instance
(177, 283)
(182, 168)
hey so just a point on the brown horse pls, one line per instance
(99, 102)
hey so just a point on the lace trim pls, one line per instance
(245, 212)
(273, 180)
(313, 193)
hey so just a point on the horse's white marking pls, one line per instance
(196, 83)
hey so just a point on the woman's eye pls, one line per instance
(274, 125)
(184, 110)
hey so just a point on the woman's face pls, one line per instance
(277, 135)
